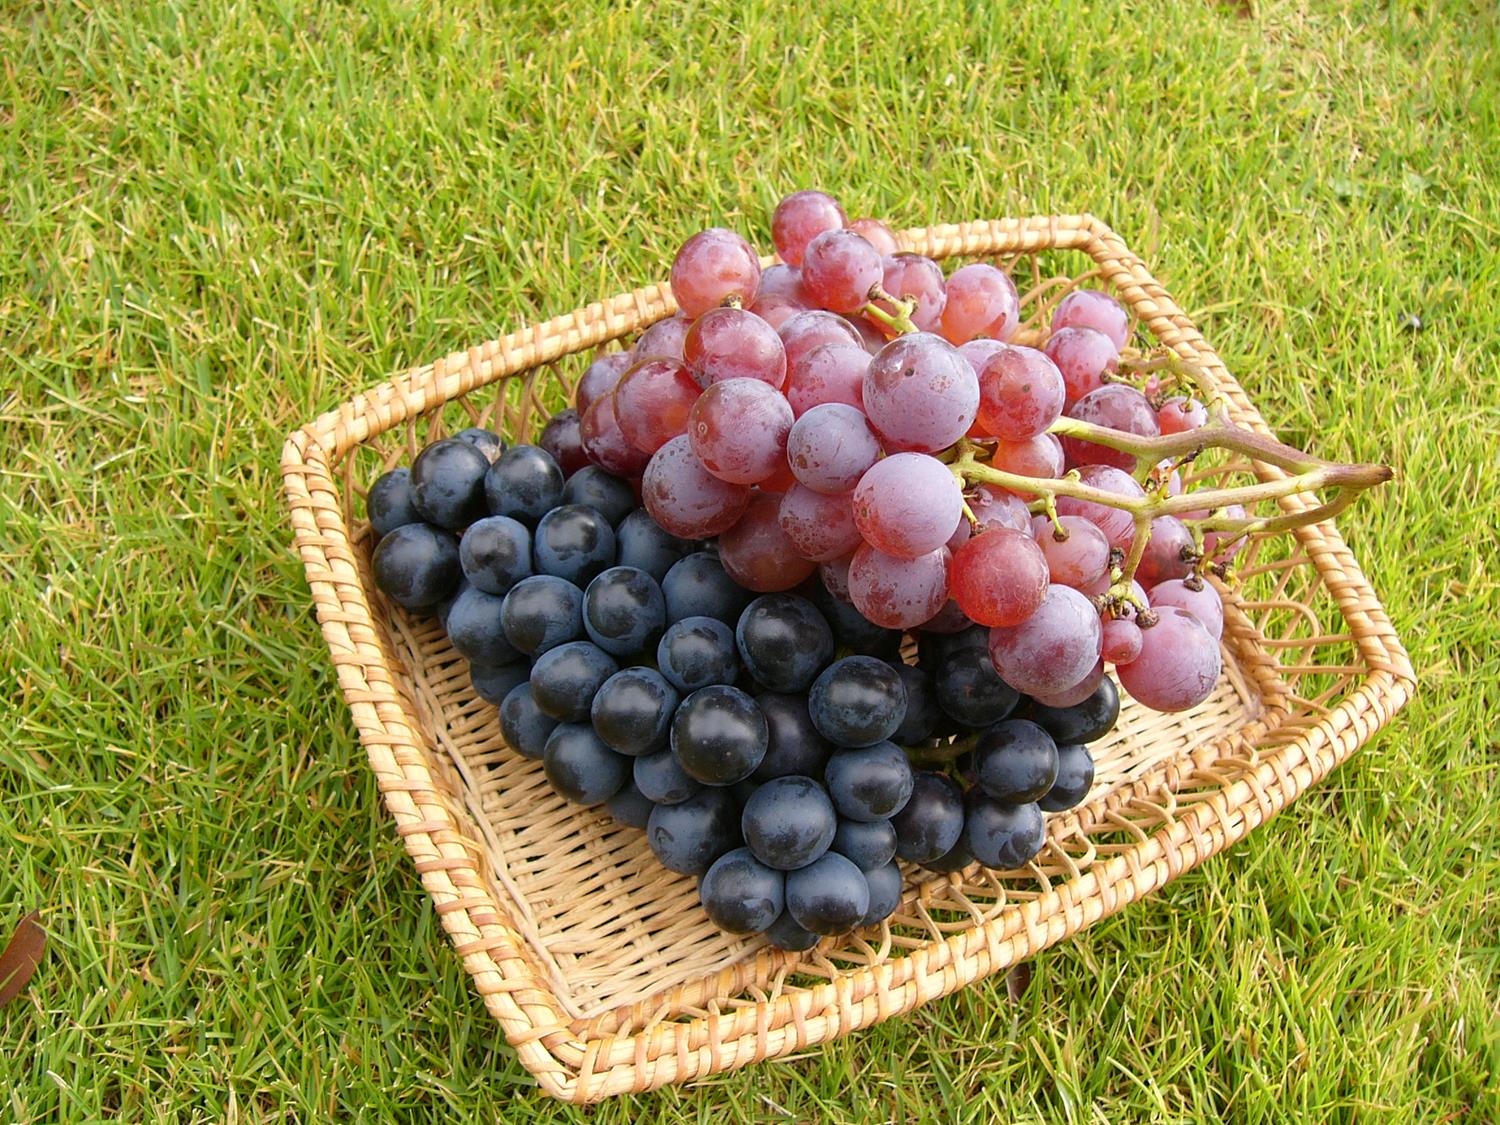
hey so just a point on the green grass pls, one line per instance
(220, 218)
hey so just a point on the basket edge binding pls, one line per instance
(588, 1069)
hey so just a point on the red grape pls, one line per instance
(920, 394)
(684, 498)
(801, 217)
(829, 373)
(562, 437)
(1117, 407)
(830, 447)
(978, 352)
(1071, 697)
(1213, 540)
(907, 504)
(835, 576)
(1118, 525)
(663, 340)
(838, 271)
(999, 577)
(1082, 356)
(756, 553)
(877, 234)
(950, 619)
(779, 296)
(1089, 308)
(779, 481)
(962, 533)
(872, 339)
(1203, 603)
(652, 401)
(908, 276)
(604, 442)
(1179, 415)
(734, 344)
(1080, 559)
(1122, 640)
(982, 301)
(819, 525)
(1041, 457)
(600, 378)
(994, 507)
(814, 328)
(1178, 665)
(898, 593)
(1020, 393)
(738, 429)
(711, 267)
(1054, 648)
(1163, 557)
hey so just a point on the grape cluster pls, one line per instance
(801, 414)
(689, 600)
(764, 741)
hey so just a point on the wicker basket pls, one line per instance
(598, 964)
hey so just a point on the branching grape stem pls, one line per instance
(1308, 474)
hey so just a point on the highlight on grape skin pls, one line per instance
(695, 600)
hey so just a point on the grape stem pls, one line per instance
(1307, 473)
(900, 321)
(1182, 374)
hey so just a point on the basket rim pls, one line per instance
(592, 1064)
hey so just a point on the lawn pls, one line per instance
(220, 218)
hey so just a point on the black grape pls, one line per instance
(789, 934)
(696, 652)
(607, 494)
(542, 612)
(828, 896)
(789, 822)
(630, 806)
(868, 844)
(698, 586)
(1075, 776)
(524, 725)
(632, 711)
(661, 777)
(486, 441)
(783, 641)
(492, 683)
(623, 611)
(1003, 836)
(389, 502)
(971, 692)
(1084, 722)
(564, 679)
(641, 543)
(524, 483)
(870, 783)
(687, 837)
(923, 719)
(742, 895)
(447, 483)
(857, 701)
(495, 553)
(416, 566)
(1015, 762)
(932, 819)
(793, 744)
(580, 767)
(475, 630)
(719, 735)
(573, 542)
(885, 893)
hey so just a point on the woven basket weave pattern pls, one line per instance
(598, 964)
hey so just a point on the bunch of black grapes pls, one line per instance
(758, 740)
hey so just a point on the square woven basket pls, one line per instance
(598, 964)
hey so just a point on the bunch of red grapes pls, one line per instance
(798, 413)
